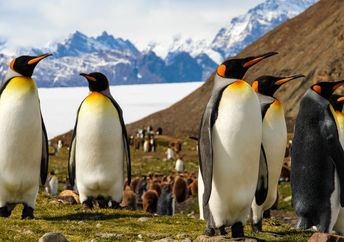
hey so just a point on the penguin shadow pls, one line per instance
(85, 215)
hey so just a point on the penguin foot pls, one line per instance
(87, 204)
(267, 214)
(4, 213)
(102, 202)
(27, 212)
(257, 227)
(115, 205)
(237, 230)
(223, 230)
(304, 223)
(209, 231)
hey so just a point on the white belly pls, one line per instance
(274, 141)
(21, 142)
(99, 150)
(236, 135)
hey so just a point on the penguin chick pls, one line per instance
(129, 199)
(166, 202)
(150, 201)
(180, 189)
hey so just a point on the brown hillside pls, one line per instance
(312, 44)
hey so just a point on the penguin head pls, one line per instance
(325, 89)
(337, 102)
(236, 68)
(25, 64)
(268, 85)
(96, 81)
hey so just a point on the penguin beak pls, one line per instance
(340, 99)
(89, 78)
(338, 84)
(286, 79)
(258, 58)
(39, 58)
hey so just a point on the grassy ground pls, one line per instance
(122, 225)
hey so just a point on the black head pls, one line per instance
(337, 102)
(25, 64)
(325, 89)
(96, 81)
(268, 85)
(236, 68)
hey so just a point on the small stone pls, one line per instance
(29, 232)
(181, 236)
(152, 235)
(110, 235)
(98, 226)
(53, 237)
(165, 240)
(94, 240)
(325, 237)
(81, 222)
(186, 240)
(205, 238)
(140, 236)
(166, 235)
(144, 219)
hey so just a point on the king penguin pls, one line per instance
(230, 137)
(274, 141)
(317, 177)
(337, 102)
(99, 146)
(23, 138)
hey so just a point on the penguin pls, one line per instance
(150, 201)
(24, 142)
(230, 137)
(337, 102)
(180, 189)
(166, 201)
(99, 146)
(180, 165)
(317, 177)
(52, 183)
(129, 199)
(274, 142)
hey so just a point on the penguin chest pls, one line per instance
(20, 134)
(236, 137)
(99, 144)
(274, 141)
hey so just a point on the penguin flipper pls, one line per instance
(263, 175)
(124, 133)
(45, 154)
(205, 145)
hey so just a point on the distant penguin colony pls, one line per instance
(241, 147)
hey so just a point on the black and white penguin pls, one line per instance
(99, 146)
(24, 143)
(337, 102)
(274, 141)
(230, 137)
(317, 177)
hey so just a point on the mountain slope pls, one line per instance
(312, 44)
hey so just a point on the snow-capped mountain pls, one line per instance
(183, 60)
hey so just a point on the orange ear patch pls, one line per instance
(221, 70)
(12, 63)
(255, 86)
(317, 88)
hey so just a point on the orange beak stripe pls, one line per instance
(33, 61)
(91, 78)
(317, 89)
(280, 82)
(338, 85)
(221, 70)
(254, 61)
(340, 99)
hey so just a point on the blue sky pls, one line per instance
(34, 23)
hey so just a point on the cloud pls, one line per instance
(34, 23)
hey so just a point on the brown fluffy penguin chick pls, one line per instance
(129, 199)
(134, 183)
(180, 189)
(156, 186)
(150, 201)
(194, 187)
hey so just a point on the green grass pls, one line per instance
(122, 225)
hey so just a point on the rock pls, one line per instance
(144, 219)
(110, 235)
(28, 232)
(81, 222)
(187, 240)
(287, 199)
(53, 237)
(140, 236)
(98, 226)
(322, 237)
(152, 235)
(205, 238)
(181, 236)
(165, 240)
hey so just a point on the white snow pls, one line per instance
(59, 105)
